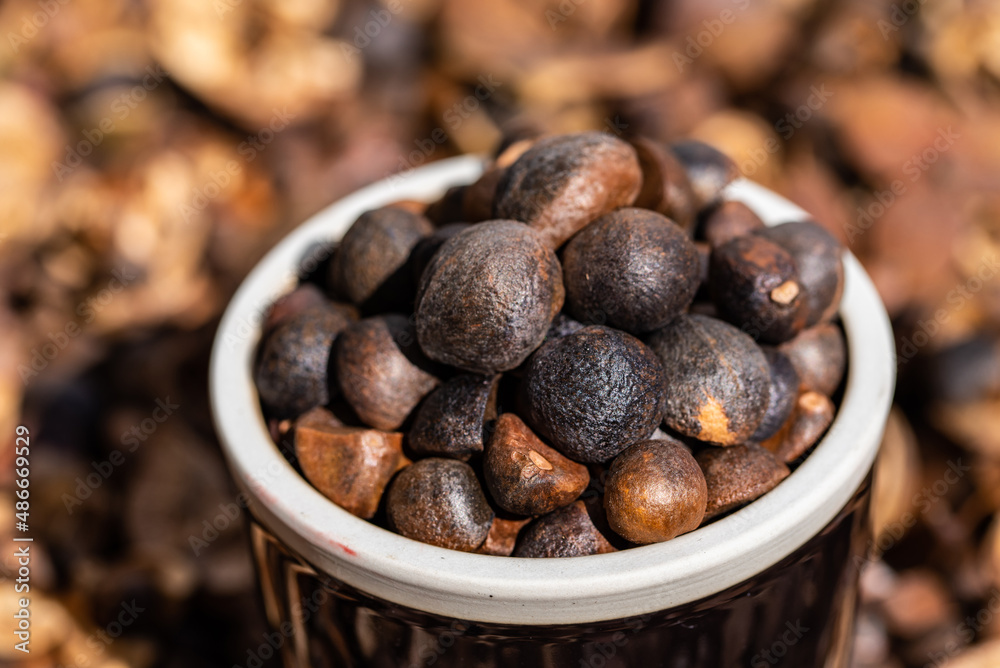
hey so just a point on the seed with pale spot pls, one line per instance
(785, 293)
(717, 379)
(525, 476)
(809, 420)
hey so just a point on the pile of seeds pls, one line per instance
(587, 349)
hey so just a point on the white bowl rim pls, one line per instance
(505, 590)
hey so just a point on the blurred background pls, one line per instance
(152, 150)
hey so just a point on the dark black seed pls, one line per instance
(819, 259)
(755, 285)
(370, 267)
(567, 532)
(784, 390)
(292, 375)
(632, 269)
(593, 393)
(450, 422)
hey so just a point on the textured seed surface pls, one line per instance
(567, 532)
(784, 390)
(708, 169)
(380, 370)
(811, 417)
(298, 300)
(351, 466)
(755, 285)
(665, 185)
(655, 491)
(632, 269)
(594, 393)
(819, 258)
(292, 375)
(562, 183)
(502, 538)
(427, 247)
(738, 475)
(525, 476)
(488, 296)
(728, 221)
(819, 356)
(717, 379)
(439, 501)
(370, 265)
(450, 422)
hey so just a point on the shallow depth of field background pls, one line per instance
(152, 150)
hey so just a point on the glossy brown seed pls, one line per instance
(567, 532)
(562, 183)
(593, 393)
(728, 221)
(819, 356)
(655, 491)
(525, 476)
(488, 296)
(426, 248)
(370, 267)
(292, 375)
(738, 475)
(811, 417)
(296, 301)
(477, 199)
(755, 285)
(633, 269)
(439, 501)
(502, 538)
(381, 372)
(450, 422)
(819, 258)
(665, 185)
(351, 466)
(784, 391)
(717, 379)
(708, 169)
